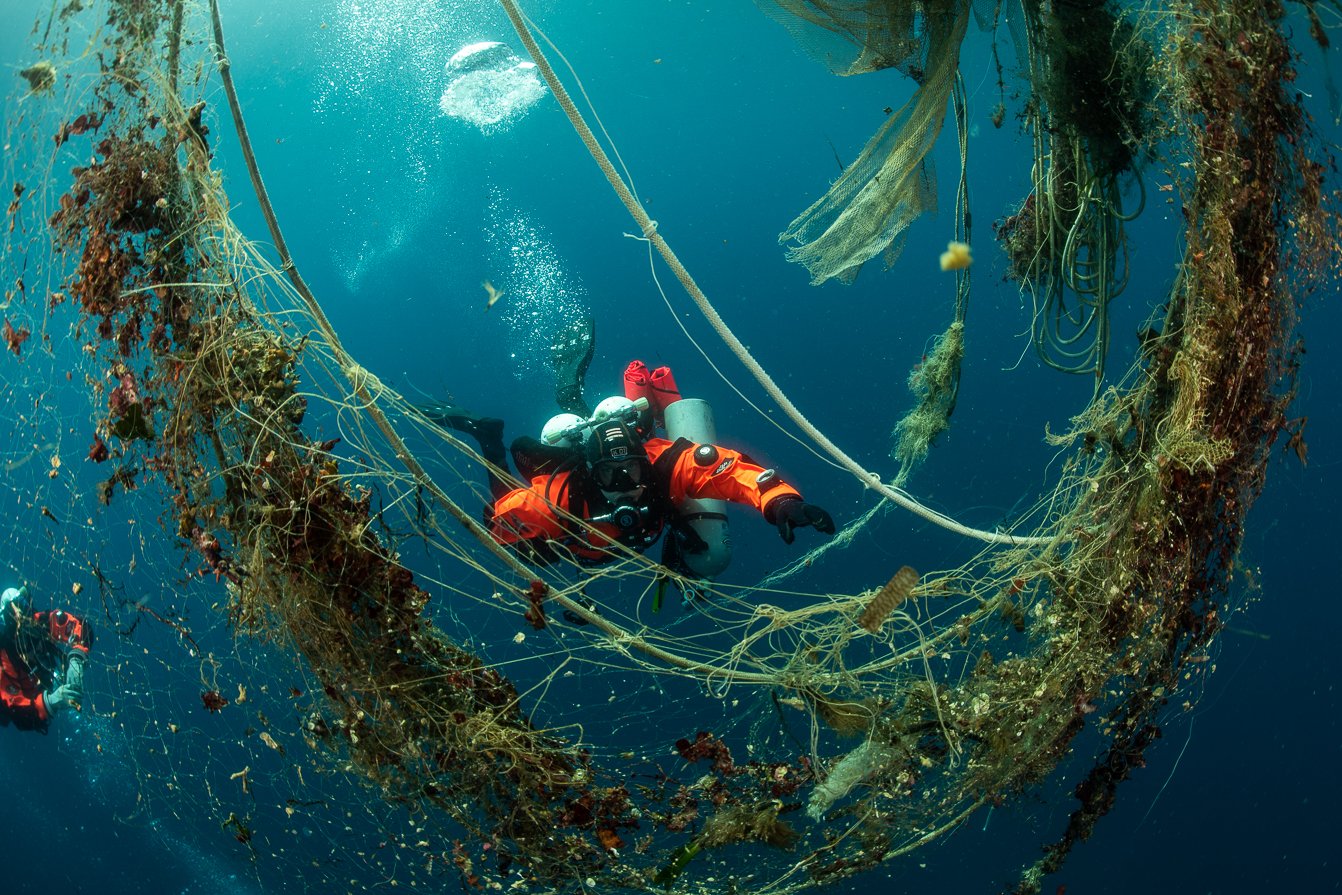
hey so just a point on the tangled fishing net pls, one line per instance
(339, 625)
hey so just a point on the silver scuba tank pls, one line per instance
(692, 418)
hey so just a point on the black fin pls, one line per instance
(571, 354)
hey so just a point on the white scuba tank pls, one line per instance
(692, 418)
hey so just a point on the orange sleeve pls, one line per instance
(21, 699)
(719, 473)
(524, 514)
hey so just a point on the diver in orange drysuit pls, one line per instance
(624, 487)
(37, 649)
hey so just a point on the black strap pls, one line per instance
(662, 469)
(666, 463)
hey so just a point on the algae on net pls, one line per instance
(397, 666)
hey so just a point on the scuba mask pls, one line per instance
(617, 460)
(613, 476)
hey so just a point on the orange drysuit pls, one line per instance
(22, 700)
(536, 519)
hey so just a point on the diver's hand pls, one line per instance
(792, 512)
(68, 695)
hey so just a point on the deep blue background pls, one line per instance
(730, 130)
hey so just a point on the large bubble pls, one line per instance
(490, 86)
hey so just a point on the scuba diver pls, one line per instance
(42, 656)
(620, 482)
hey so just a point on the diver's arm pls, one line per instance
(523, 515)
(525, 521)
(24, 711)
(713, 472)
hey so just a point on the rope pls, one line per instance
(645, 223)
(356, 374)
(361, 380)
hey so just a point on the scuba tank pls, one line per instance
(692, 418)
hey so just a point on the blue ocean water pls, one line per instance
(397, 213)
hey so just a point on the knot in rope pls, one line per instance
(648, 231)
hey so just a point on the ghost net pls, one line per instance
(395, 682)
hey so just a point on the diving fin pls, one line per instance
(571, 354)
(481, 428)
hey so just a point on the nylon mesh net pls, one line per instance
(892, 182)
(309, 649)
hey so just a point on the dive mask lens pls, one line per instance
(604, 474)
(618, 477)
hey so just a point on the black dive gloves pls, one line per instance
(793, 512)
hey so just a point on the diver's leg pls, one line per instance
(571, 354)
(488, 434)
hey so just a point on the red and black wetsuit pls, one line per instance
(535, 519)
